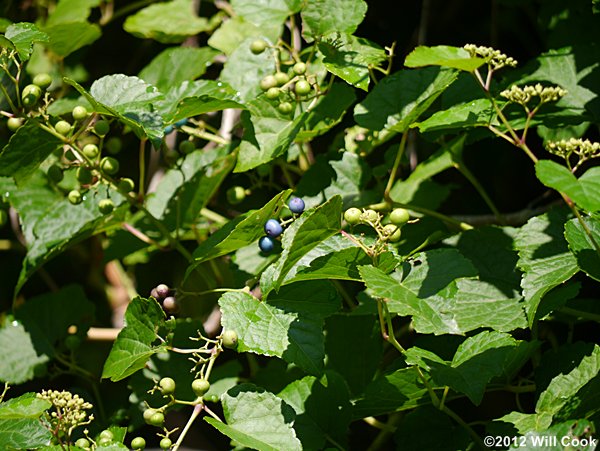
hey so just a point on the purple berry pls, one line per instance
(296, 205)
(162, 290)
(273, 228)
(266, 244)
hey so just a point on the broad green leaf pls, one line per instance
(135, 343)
(570, 435)
(351, 58)
(65, 38)
(401, 98)
(443, 55)
(24, 433)
(25, 406)
(322, 409)
(18, 356)
(244, 70)
(166, 22)
(235, 31)
(257, 419)
(185, 190)
(274, 331)
(396, 391)
(265, 13)
(194, 106)
(405, 191)
(174, 65)
(585, 191)
(305, 233)
(71, 11)
(241, 231)
(526, 422)
(268, 134)
(318, 298)
(475, 113)
(544, 258)
(25, 151)
(414, 432)
(321, 17)
(582, 246)
(328, 112)
(130, 100)
(23, 35)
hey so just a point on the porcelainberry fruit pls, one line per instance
(399, 216)
(14, 123)
(157, 419)
(299, 68)
(296, 205)
(200, 386)
(258, 46)
(273, 93)
(79, 113)
(266, 244)
(149, 413)
(230, 339)
(82, 443)
(113, 145)
(106, 206)
(109, 165)
(302, 87)
(165, 443)
(75, 197)
(268, 82)
(167, 385)
(62, 127)
(30, 95)
(101, 128)
(126, 184)
(352, 215)
(235, 195)
(281, 78)
(273, 228)
(186, 147)
(55, 173)
(42, 80)
(170, 304)
(391, 232)
(162, 290)
(84, 175)
(285, 107)
(90, 150)
(138, 443)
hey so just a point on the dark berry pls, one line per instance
(273, 228)
(296, 205)
(266, 244)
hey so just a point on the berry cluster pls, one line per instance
(166, 296)
(68, 412)
(388, 232)
(274, 228)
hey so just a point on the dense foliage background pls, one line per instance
(481, 321)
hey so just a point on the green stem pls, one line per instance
(344, 293)
(393, 173)
(581, 314)
(142, 166)
(384, 434)
(204, 135)
(213, 216)
(197, 409)
(460, 224)
(465, 426)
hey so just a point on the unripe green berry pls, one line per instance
(302, 87)
(391, 232)
(268, 82)
(167, 385)
(101, 128)
(369, 216)
(273, 93)
(299, 68)
(42, 80)
(14, 123)
(84, 175)
(281, 78)
(90, 150)
(138, 443)
(109, 165)
(235, 195)
(186, 147)
(157, 419)
(55, 173)
(62, 127)
(399, 216)
(79, 113)
(285, 107)
(258, 46)
(126, 184)
(106, 206)
(72, 342)
(30, 95)
(230, 339)
(75, 197)
(165, 443)
(82, 443)
(113, 145)
(148, 414)
(200, 386)
(107, 434)
(352, 215)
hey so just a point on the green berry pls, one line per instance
(84, 175)
(268, 82)
(30, 95)
(55, 173)
(391, 232)
(101, 128)
(107, 434)
(281, 78)
(113, 145)
(90, 150)
(369, 216)
(106, 206)
(258, 46)
(230, 339)
(104, 441)
(75, 197)
(3, 218)
(285, 107)
(352, 215)
(126, 184)
(82, 443)
(299, 68)
(186, 147)
(14, 123)
(79, 113)
(273, 93)
(148, 414)
(235, 195)
(302, 87)
(200, 386)
(157, 419)
(42, 80)
(62, 127)
(165, 443)
(211, 398)
(72, 342)
(167, 385)
(399, 216)
(109, 165)
(138, 443)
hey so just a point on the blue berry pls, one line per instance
(266, 244)
(181, 122)
(169, 129)
(273, 228)
(296, 205)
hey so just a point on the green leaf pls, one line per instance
(234, 33)
(23, 35)
(265, 13)
(351, 58)
(322, 409)
(174, 65)
(166, 22)
(268, 134)
(321, 17)
(305, 233)
(71, 11)
(257, 419)
(475, 113)
(25, 433)
(585, 191)
(66, 38)
(445, 56)
(25, 151)
(582, 246)
(267, 330)
(401, 98)
(396, 391)
(544, 258)
(24, 406)
(18, 354)
(318, 298)
(134, 344)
